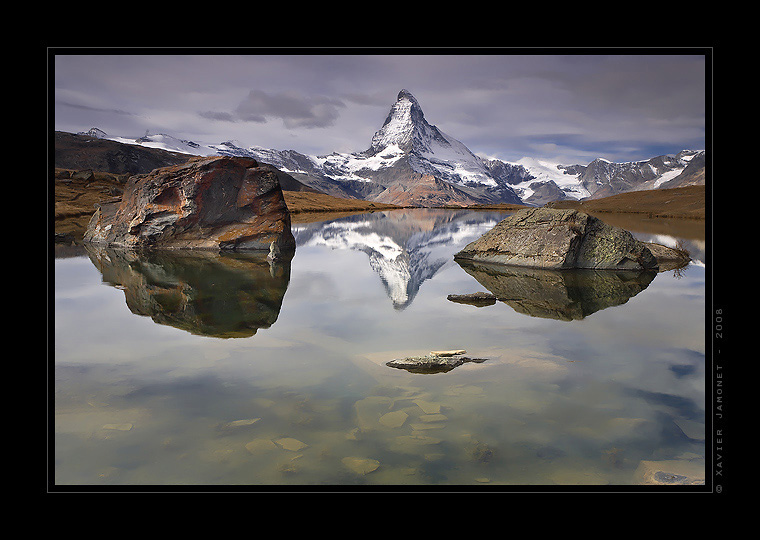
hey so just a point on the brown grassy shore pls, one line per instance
(679, 203)
(676, 212)
(77, 192)
(75, 196)
(508, 207)
(668, 211)
(676, 203)
(305, 206)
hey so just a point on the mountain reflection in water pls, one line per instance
(405, 248)
(558, 294)
(207, 293)
(234, 294)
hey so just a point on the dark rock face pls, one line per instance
(558, 239)
(217, 202)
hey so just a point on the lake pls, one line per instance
(200, 369)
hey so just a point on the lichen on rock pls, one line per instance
(558, 239)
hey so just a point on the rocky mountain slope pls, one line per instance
(90, 150)
(602, 178)
(84, 151)
(412, 162)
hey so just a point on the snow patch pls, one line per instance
(548, 171)
(667, 176)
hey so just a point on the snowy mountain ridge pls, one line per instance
(407, 146)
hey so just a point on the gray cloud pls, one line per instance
(221, 116)
(94, 109)
(374, 99)
(295, 109)
(570, 107)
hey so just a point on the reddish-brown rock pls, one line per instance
(208, 203)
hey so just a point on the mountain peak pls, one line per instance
(94, 132)
(405, 126)
(405, 94)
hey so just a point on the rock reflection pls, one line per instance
(224, 295)
(558, 294)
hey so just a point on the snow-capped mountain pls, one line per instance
(430, 151)
(411, 162)
(95, 132)
(547, 181)
(602, 178)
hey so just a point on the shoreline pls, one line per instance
(675, 203)
(684, 208)
(304, 202)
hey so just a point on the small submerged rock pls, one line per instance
(239, 423)
(481, 452)
(289, 443)
(361, 465)
(437, 417)
(118, 427)
(435, 362)
(260, 445)
(428, 407)
(393, 419)
(369, 410)
(671, 472)
(412, 443)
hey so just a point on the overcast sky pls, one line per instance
(564, 108)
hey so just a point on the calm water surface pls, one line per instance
(201, 369)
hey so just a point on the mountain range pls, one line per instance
(411, 162)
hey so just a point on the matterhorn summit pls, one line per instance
(405, 127)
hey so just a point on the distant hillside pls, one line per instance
(682, 202)
(81, 152)
(302, 202)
